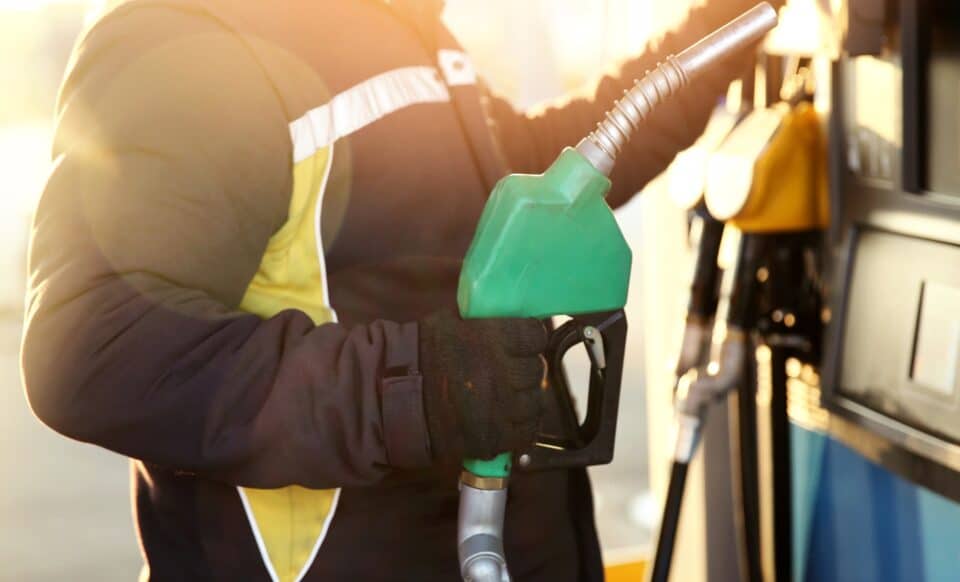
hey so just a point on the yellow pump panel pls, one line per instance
(789, 190)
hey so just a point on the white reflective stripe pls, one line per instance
(363, 104)
(323, 533)
(264, 555)
(457, 67)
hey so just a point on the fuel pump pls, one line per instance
(768, 181)
(549, 245)
(696, 390)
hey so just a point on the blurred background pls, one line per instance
(64, 506)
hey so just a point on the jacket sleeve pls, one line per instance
(172, 170)
(532, 140)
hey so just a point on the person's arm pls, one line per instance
(172, 170)
(532, 140)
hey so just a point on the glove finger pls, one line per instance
(520, 436)
(527, 407)
(524, 337)
(526, 374)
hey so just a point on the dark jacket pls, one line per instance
(252, 204)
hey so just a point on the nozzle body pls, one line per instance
(605, 142)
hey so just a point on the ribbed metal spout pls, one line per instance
(605, 142)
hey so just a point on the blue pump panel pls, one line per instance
(855, 521)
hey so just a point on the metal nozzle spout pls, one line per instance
(733, 37)
(603, 144)
(480, 534)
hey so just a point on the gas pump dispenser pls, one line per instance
(846, 308)
(767, 182)
(549, 245)
(874, 427)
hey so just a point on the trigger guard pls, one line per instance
(568, 335)
(570, 443)
(561, 340)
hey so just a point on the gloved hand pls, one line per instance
(483, 383)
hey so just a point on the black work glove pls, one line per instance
(483, 381)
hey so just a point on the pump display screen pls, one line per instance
(901, 352)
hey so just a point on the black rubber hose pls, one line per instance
(780, 459)
(741, 312)
(743, 414)
(744, 473)
(668, 524)
(704, 290)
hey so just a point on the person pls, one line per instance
(243, 270)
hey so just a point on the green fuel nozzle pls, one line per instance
(549, 245)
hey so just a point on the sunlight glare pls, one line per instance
(28, 5)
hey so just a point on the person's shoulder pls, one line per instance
(125, 32)
(143, 21)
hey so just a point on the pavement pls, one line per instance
(64, 506)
